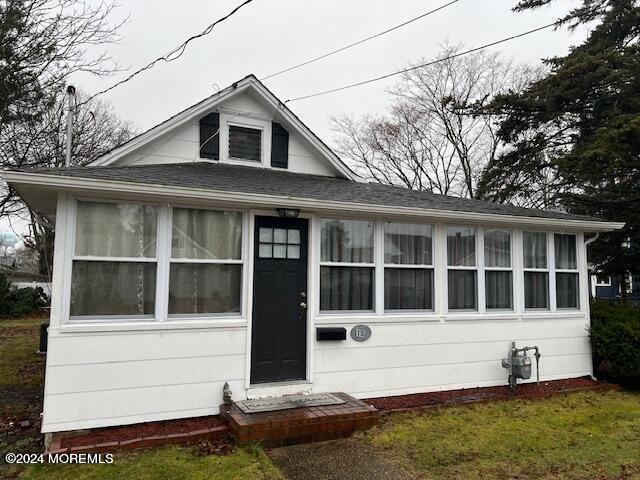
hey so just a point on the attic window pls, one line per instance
(245, 143)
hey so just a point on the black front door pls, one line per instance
(279, 325)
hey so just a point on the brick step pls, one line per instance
(299, 425)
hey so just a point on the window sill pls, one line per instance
(431, 317)
(411, 316)
(152, 326)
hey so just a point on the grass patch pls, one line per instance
(34, 321)
(21, 369)
(21, 380)
(575, 436)
(166, 463)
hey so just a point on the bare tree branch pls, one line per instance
(429, 139)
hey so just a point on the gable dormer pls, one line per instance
(244, 124)
(243, 138)
(245, 141)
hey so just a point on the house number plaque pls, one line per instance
(360, 333)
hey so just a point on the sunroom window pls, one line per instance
(497, 269)
(408, 269)
(205, 275)
(536, 270)
(462, 272)
(346, 265)
(566, 271)
(114, 262)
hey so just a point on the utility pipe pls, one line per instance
(71, 93)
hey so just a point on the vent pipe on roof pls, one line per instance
(71, 100)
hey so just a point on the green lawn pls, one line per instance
(166, 463)
(574, 436)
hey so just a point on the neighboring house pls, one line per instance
(608, 287)
(218, 246)
(8, 262)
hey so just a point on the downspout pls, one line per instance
(591, 240)
(586, 244)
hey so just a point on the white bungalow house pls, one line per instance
(228, 243)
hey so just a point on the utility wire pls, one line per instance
(346, 47)
(415, 67)
(173, 54)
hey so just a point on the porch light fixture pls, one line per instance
(288, 212)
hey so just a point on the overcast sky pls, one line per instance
(266, 36)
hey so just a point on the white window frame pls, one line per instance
(163, 260)
(398, 266)
(499, 269)
(597, 283)
(169, 259)
(373, 265)
(551, 278)
(99, 258)
(229, 118)
(575, 271)
(478, 268)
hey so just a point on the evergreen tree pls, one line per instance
(574, 135)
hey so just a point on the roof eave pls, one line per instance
(252, 199)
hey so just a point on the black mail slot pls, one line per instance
(326, 334)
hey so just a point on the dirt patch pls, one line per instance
(348, 459)
(529, 391)
(13, 332)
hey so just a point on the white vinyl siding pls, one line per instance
(117, 373)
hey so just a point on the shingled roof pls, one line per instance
(252, 180)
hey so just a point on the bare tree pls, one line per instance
(41, 143)
(43, 43)
(430, 139)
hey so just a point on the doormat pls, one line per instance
(287, 402)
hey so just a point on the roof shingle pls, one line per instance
(253, 180)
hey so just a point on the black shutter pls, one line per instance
(279, 146)
(209, 125)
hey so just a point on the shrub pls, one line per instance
(18, 302)
(615, 342)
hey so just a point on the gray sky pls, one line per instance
(269, 35)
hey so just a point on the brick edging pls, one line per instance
(194, 436)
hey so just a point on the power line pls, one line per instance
(415, 67)
(173, 54)
(346, 47)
